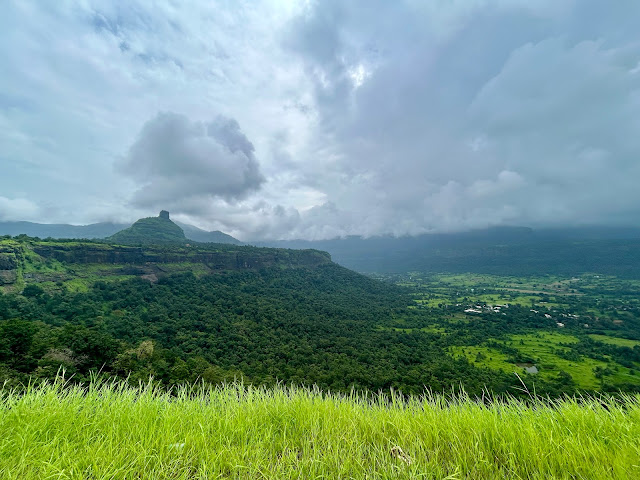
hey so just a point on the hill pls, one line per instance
(181, 312)
(499, 251)
(44, 230)
(103, 230)
(152, 230)
(214, 312)
(76, 265)
(198, 235)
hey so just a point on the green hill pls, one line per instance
(104, 230)
(198, 235)
(76, 265)
(188, 312)
(219, 311)
(150, 230)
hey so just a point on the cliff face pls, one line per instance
(41, 261)
(230, 259)
(8, 265)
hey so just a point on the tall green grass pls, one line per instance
(114, 431)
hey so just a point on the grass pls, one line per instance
(434, 328)
(620, 342)
(542, 348)
(440, 288)
(117, 432)
(492, 358)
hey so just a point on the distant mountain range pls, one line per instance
(500, 250)
(104, 230)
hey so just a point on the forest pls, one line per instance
(321, 325)
(302, 326)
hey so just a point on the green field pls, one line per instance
(544, 321)
(118, 432)
(622, 342)
(541, 347)
(485, 356)
(434, 290)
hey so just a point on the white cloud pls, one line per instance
(366, 117)
(17, 209)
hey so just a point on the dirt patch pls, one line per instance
(152, 277)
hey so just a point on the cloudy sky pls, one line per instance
(301, 119)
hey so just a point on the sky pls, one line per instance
(274, 119)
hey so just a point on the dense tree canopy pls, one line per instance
(326, 326)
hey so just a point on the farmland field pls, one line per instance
(581, 331)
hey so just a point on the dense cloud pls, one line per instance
(511, 115)
(368, 117)
(179, 162)
(17, 209)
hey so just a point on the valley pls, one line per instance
(154, 356)
(319, 240)
(583, 329)
(185, 311)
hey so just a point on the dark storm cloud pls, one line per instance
(181, 163)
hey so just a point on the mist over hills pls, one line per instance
(199, 235)
(60, 230)
(498, 250)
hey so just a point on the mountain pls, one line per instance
(188, 312)
(103, 230)
(53, 263)
(44, 230)
(501, 251)
(198, 235)
(150, 230)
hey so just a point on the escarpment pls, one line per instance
(8, 266)
(236, 258)
(35, 261)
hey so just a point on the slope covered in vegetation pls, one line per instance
(317, 325)
(57, 265)
(151, 230)
(182, 313)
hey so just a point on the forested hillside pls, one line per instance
(181, 313)
(307, 326)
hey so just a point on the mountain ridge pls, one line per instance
(103, 230)
(498, 250)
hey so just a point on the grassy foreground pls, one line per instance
(115, 431)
